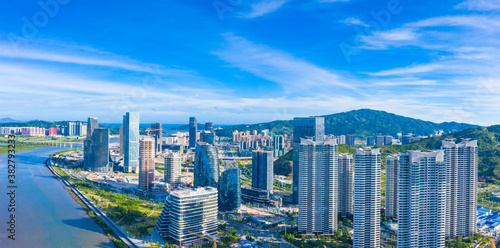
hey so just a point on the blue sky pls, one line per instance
(238, 61)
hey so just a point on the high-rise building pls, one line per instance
(206, 165)
(131, 142)
(70, 129)
(157, 134)
(380, 140)
(229, 190)
(345, 184)
(188, 212)
(52, 131)
(304, 127)
(318, 164)
(391, 186)
(96, 151)
(422, 199)
(121, 140)
(208, 137)
(262, 170)
(279, 142)
(461, 162)
(172, 168)
(349, 140)
(209, 126)
(366, 198)
(370, 141)
(92, 124)
(146, 162)
(193, 129)
(388, 140)
(341, 139)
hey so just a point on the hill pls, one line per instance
(488, 146)
(362, 123)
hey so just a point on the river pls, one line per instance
(46, 214)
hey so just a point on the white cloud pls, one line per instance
(264, 7)
(480, 5)
(293, 74)
(354, 21)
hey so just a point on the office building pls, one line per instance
(96, 151)
(304, 127)
(255, 195)
(157, 134)
(189, 211)
(318, 187)
(131, 142)
(391, 186)
(146, 162)
(461, 162)
(173, 168)
(206, 165)
(207, 137)
(350, 140)
(388, 140)
(422, 200)
(341, 139)
(121, 140)
(345, 184)
(370, 141)
(209, 126)
(380, 140)
(262, 170)
(193, 129)
(230, 191)
(366, 198)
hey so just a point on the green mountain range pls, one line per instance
(362, 123)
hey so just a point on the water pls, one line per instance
(46, 214)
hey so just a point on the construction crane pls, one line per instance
(209, 238)
(492, 243)
(147, 156)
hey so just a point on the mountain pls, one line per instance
(186, 127)
(362, 123)
(8, 120)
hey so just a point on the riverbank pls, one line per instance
(120, 239)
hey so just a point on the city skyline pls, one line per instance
(249, 67)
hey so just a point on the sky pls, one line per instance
(242, 61)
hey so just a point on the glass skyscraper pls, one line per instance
(230, 191)
(131, 142)
(304, 127)
(206, 165)
(345, 184)
(262, 170)
(193, 129)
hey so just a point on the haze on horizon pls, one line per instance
(253, 62)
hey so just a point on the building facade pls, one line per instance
(146, 162)
(366, 198)
(193, 129)
(206, 165)
(461, 162)
(422, 200)
(230, 191)
(262, 170)
(345, 184)
(186, 212)
(131, 142)
(318, 189)
(173, 168)
(97, 151)
(391, 186)
(157, 134)
(350, 140)
(304, 127)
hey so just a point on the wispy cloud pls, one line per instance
(293, 74)
(354, 21)
(264, 7)
(332, 1)
(480, 5)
